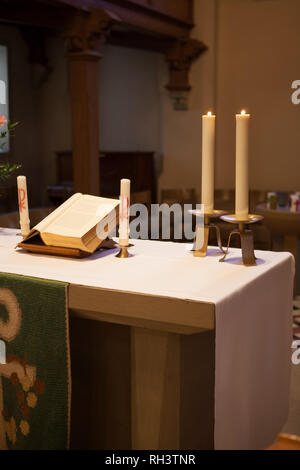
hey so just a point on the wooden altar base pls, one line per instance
(138, 388)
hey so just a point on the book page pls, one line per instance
(82, 216)
(43, 225)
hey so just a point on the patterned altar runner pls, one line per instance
(35, 383)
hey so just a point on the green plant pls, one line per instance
(6, 169)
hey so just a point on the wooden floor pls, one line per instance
(286, 442)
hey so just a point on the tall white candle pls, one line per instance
(23, 205)
(208, 161)
(124, 212)
(241, 172)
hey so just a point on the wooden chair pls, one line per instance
(178, 196)
(225, 199)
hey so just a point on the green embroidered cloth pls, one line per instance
(35, 384)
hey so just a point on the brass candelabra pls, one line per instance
(246, 236)
(201, 252)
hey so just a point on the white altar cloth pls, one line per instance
(253, 319)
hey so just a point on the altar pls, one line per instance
(170, 351)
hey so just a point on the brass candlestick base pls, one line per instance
(246, 237)
(124, 253)
(202, 252)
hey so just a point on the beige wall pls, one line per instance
(129, 100)
(252, 60)
(181, 144)
(258, 59)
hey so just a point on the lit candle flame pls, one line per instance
(209, 113)
(243, 112)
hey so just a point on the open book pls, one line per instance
(82, 222)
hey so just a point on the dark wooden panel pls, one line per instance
(38, 13)
(137, 166)
(180, 9)
(139, 40)
(100, 361)
(147, 19)
(171, 18)
(64, 167)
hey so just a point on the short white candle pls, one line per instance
(241, 172)
(208, 161)
(23, 205)
(124, 212)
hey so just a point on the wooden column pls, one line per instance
(85, 121)
(172, 390)
(85, 36)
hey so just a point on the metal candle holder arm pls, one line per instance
(214, 214)
(246, 236)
